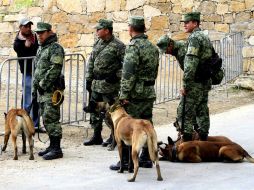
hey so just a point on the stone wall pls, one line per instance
(73, 20)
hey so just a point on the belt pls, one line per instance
(149, 83)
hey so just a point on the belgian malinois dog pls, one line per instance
(207, 151)
(17, 121)
(136, 133)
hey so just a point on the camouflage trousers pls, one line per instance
(96, 118)
(140, 109)
(196, 111)
(51, 116)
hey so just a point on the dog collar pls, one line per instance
(174, 153)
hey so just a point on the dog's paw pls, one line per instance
(31, 157)
(131, 179)
(15, 158)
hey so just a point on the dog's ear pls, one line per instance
(170, 141)
(5, 115)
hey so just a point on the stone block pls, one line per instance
(60, 17)
(212, 18)
(222, 9)
(228, 18)
(120, 16)
(95, 5)
(6, 2)
(236, 6)
(159, 23)
(173, 27)
(34, 11)
(207, 7)
(150, 11)
(86, 40)
(124, 37)
(187, 5)
(242, 16)
(248, 51)
(6, 27)
(165, 8)
(78, 19)
(177, 9)
(6, 40)
(47, 4)
(118, 27)
(215, 35)
(69, 40)
(249, 4)
(207, 25)
(154, 35)
(251, 26)
(13, 18)
(113, 5)
(180, 36)
(96, 16)
(75, 28)
(133, 4)
(70, 6)
(222, 28)
(239, 27)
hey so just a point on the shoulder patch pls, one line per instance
(56, 59)
(192, 51)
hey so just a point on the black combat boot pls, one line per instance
(48, 149)
(125, 160)
(56, 151)
(187, 137)
(90, 108)
(95, 140)
(108, 141)
(144, 159)
(203, 136)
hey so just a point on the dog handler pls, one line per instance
(199, 50)
(48, 67)
(140, 70)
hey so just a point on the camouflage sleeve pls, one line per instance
(121, 54)
(131, 60)
(56, 64)
(90, 66)
(191, 62)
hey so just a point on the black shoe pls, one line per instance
(47, 150)
(53, 154)
(144, 160)
(107, 142)
(93, 141)
(116, 166)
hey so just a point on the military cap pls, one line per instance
(104, 23)
(43, 26)
(163, 43)
(136, 21)
(25, 21)
(191, 16)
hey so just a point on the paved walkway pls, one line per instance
(90, 170)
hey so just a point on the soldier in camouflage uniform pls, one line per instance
(48, 66)
(194, 93)
(103, 75)
(140, 70)
(177, 49)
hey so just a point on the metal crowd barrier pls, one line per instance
(167, 85)
(75, 94)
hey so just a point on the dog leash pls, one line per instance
(183, 114)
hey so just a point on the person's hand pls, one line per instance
(183, 92)
(89, 85)
(125, 101)
(28, 43)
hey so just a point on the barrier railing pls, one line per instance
(167, 85)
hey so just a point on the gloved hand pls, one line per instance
(89, 85)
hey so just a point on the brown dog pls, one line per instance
(135, 132)
(17, 120)
(198, 151)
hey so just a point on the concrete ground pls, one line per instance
(88, 167)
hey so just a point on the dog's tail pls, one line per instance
(248, 157)
(28, 120)
(152, 145)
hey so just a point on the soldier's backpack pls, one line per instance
(210, 69)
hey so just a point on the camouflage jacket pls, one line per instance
(179, 51)
(48, 66)
(140, 69)
(199, 49)
(105, 65)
